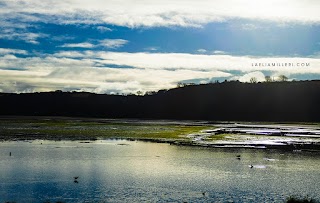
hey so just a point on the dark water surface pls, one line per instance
(127, 171)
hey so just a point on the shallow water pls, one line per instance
(127, 171)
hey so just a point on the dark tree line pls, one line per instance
(228, 101)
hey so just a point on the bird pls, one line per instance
(76, 179)
(251, 166)
(204, 193)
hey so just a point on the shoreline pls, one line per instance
(206, 134)
(289, 147)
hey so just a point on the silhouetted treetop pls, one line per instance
(229, 100)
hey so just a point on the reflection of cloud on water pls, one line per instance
(258, 166)
(258, 135)
(267, 159)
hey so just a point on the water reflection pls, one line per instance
(123, 171)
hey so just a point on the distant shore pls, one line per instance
(283, 101)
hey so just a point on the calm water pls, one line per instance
(124, 171)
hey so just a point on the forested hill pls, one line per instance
(227, 101)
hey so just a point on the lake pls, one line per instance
(133, 171)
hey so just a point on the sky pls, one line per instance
(125, 46)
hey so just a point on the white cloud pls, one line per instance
(50, 73)
(219, 52)
(113, 43)
(104, 29)
(246, 26)
(108, 43)
(78, 45)
(206, 62)
(28, 37)
(74, 54)
(216, 52)
(60, 38)
(151, 48)
(150, 13)
(259, 76)
(174, 61)
(201, 50)
(16, 25)
(12, 51)
(79, 70)
(99, 80)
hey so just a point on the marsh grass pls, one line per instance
(218, 137)
(73, 129)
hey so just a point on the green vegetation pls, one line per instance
(219, 137)
(61, 128)
(236, 137)
(92, 129)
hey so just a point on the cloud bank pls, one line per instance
(95, 71)
(150, 13)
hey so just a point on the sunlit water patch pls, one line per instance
(127, 171)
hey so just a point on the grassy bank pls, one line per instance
(45, 128)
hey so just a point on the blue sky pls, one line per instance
(127, 46)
